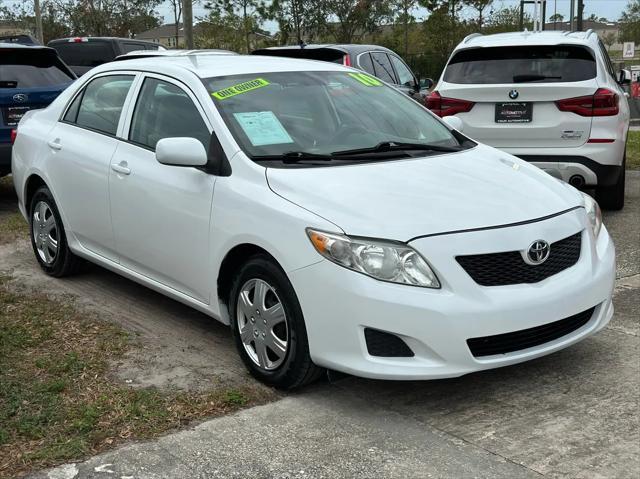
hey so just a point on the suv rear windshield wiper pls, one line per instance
(395, 146)
(529, 78)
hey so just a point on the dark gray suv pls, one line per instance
(374, 59)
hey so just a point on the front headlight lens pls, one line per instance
(386, 261)
(593, 213)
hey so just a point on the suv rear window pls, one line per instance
(530, 64)
(31, 69)
(85, 54)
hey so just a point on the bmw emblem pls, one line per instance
(20, 97)
(537, 253)
(513, 94)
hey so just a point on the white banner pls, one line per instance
(629, 50)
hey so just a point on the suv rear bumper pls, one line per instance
(567, 167)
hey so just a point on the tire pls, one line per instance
(46, 231)
(612, 197)
(288, 365)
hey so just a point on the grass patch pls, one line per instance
(59, 403)
(12, 227)
(633, 150)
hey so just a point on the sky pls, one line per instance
(611, 9)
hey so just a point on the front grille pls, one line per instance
(386, 345)
(527, 338)
(501, 269)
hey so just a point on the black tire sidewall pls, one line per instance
(288, 373)
(59, 265)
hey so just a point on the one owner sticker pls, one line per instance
(240, 88)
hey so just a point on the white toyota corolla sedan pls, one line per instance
(329, 219)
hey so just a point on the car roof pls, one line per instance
(118, 39)
(207, 65)
(547, 37)
(22, 46)
(171, 53)
(345, 47)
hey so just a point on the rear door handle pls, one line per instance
(55, 144)
(121, 168)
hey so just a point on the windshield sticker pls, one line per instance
(240, 88)
(366, 79)
(263, 128)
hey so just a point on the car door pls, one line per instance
(161, 213)
(80, 149)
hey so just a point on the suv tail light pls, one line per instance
(346, 61)
(443, 106)
(603, 103)
(14, 135)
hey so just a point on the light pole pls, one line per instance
(187, 19)
(38, 14)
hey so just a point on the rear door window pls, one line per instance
(382, 67)
(31, 69)
(102, 103)
(530, 64)
(85, 54)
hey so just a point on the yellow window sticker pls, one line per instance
(240, 88)
(366, 79)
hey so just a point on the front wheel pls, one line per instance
(268, 327)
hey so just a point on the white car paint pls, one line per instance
(556, 134)
(170, 229)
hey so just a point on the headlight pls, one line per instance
(593, 213)
(386, 261)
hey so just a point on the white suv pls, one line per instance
(551, 98)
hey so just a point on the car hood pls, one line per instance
(403, 199)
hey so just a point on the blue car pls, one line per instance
(31, 77)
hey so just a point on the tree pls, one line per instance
(507, 20)
(609, 39)
(479, 6)
(53, 22)
(402, 11)
(300, 19)
(176, 7)
(247, 10)
(556, 18)
(354, 18)
(630, 20)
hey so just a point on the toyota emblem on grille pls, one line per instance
(513, 94)
(20, 97)
(538, 252)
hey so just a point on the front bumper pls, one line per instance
(339, 304)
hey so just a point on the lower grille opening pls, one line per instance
(386, 345)
(528, 338)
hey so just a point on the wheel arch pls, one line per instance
(234, 258)
(33, 183)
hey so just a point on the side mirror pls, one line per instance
(181, 152)
(426, 83)
(624, 77)
(454, 122)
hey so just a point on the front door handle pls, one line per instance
(121, 168)
(55, 144)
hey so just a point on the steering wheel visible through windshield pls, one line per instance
(322, 113)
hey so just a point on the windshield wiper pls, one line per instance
(396, 146)
(293, 157)
(528, 78)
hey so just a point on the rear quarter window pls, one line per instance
(526, 64)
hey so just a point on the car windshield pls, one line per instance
(323, 113)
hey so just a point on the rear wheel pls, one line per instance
(612, 197)
(48, 238)
(268, 327)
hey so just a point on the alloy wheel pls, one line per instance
(262, 324)
(45, 232)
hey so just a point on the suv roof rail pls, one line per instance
(469, 37)
(589, 33)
